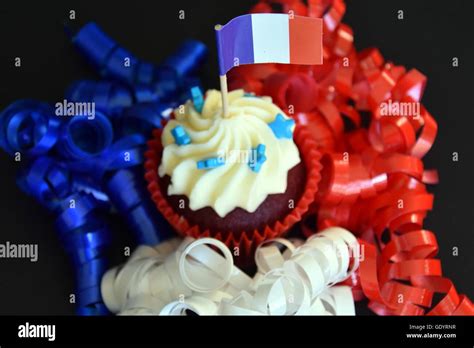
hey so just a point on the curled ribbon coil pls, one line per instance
(366, 115)
(139, 95)
(128, 115)
(405, 277)
(82, 231)
(109, 97)
(148, 82)
(86, 238)
(142, 118)
(293, 278)
(126, 189)
(29, 128)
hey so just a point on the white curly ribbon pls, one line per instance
(199, 276)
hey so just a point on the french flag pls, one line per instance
(269, 38)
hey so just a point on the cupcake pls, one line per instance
(241, 178)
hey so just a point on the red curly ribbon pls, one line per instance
(373, 180)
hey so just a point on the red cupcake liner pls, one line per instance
(245, 241)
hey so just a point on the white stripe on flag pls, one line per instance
(271, 38)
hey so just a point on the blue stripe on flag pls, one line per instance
(235, 43)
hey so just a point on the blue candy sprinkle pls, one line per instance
(198, 99)
(281, 127)
(256, 168)
(260, 150)
(180, 136)
(210, 163)
(256, 163)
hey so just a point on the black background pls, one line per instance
(428, 37)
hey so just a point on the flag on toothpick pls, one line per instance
(269, 38)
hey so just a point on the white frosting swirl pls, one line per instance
(233, 184)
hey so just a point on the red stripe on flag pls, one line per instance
(306, 40)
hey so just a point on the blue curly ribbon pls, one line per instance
(150, 82)
(127, 189)
(80, 168)
(109, 97)
(187, 59)
(142, 118)
(126, 152)
(117, 101)
(115, 170)
(47, 181)
(28, 127)
(86, 238)
(81, 138)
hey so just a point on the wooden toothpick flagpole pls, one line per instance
(223, 82)
(225, 99)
